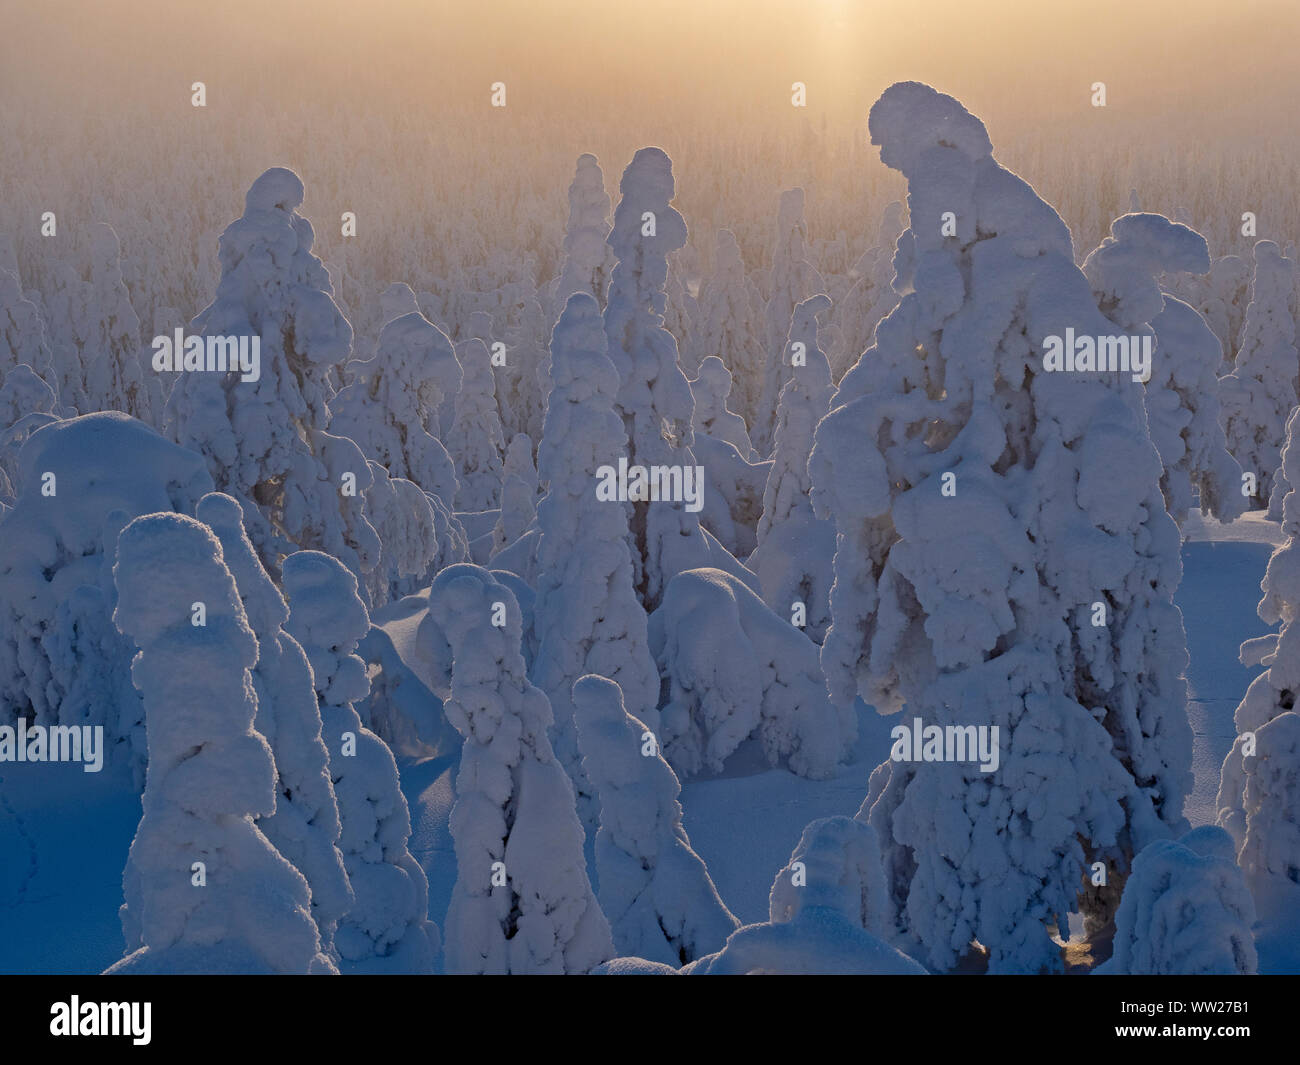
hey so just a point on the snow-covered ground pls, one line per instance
(69, 831)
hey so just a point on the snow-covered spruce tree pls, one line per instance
(795, 547)
(305, 824)
(654, 889)
(477, 438)
(827, 912)
(588, 260)
(112, 357)
(1270, 852)
(733, 669)
(1186, 910)
(1272, 692)
(265, 441)
(522, 902)
(1004, 559)
(80, 480)
(22, 332)
(725, 326)
(792, 280)
(519, 487)
(586, 612)
(387, 928)
(391, 409)
(206, 891)
(1258, 395)
(654, 397)
(711, 388)
(1182, 393)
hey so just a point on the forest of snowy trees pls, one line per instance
(643, 495)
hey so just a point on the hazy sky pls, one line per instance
(1217, 65)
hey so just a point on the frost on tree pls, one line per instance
(986, 512)
(826, 913)
(22, 332)
(795, 547)
(871, 296)
(733, 669)
(586, 611)
(391, 407)
(61, 659)
(1258, 395)
(522, 902)
(418, 534)
(711, 389)
(265, 441)
(476, 435)
(792, 280)
(1182, 393)
(26, 403)
(727, 327)
(206, 891)
(654, 396)
(1272, 692)
(387, 927)
(305, 824)
(1186, 910)
(654, 889)
(116, 376)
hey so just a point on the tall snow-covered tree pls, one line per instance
(1182, 393)
(654, 397)
(966, 484)
(795, 547)
(387, 926)
(588, 260)
(1258, 395)
(522, 902)
(586, 610)
(655, 890)
(265, 441)
(206, 891)
(304, 826)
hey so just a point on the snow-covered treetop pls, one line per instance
(1124, 267)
